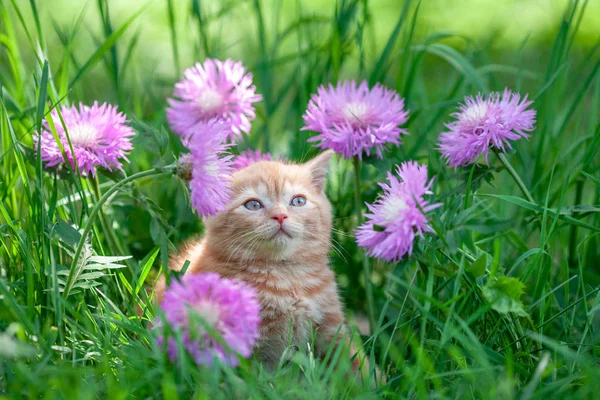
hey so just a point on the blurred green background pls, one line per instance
(230, 29)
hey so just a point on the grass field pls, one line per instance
(502, 301)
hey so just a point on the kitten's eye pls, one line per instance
(298, 201)
(253, 205)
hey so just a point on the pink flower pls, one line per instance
(353, 120)
(249, 157)
(99, 136)
(398, 215)
(228, 306)
(214, 89)
(211, 168)
(487, 123)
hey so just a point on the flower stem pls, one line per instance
(90, 221)
(515, 176)
(106, 225)
(365, 260)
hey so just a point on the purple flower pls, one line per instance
(99, 136)
(229, 306)
(249, 157)
(352, 119)
(211, 168)
(398, 215)
(214, 89)
(484, 123)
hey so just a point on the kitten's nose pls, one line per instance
(279, 217)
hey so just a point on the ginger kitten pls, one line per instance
(275, 235)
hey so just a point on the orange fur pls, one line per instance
(289, 270)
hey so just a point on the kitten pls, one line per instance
(275, 235)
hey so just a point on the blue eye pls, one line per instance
(253, 205)
(298, 201)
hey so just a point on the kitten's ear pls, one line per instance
(318, 168)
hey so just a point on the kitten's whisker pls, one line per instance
(341, 233)
(237, 243)
(343, 218)
(255, 245)
(236, 236)
(326, 245)
(248, 245)
(252, 243)
(338, 245)
(338, 249)
(333, 247)
(238, 246)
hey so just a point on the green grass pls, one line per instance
(501, 302)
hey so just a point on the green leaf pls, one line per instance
(507, 69)
(540, 209)
(445, 270)
(162, 139)
(478, 267)
(378, 228)
(106, 46)
(171, 13)
(453, 240)
(504, 294)
(115, 175)
(579, 96)
(145, 270)
(488, 225)
(580, 208)
(107, 259)
(592, 178)
(458, 61)
(65, 232)
(524, 256)
(85, 285)
(42, 95)
(91, 275)
(380, 68)
(80, 275)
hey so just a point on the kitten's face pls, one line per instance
(278, 211)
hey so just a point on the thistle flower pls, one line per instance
(353, 120)
(398, 215)
(211, 168)
(487, 123)
(213, 89)
(249, 157)
(99, 136)
(228, 306)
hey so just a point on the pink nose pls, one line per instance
(279, 217)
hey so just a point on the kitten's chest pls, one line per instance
(297, 298)
(295, 307)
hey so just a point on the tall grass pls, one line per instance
(69, 324)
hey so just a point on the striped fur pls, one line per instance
(290, 272)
